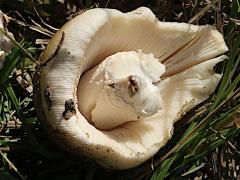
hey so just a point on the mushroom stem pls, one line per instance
(121, 89)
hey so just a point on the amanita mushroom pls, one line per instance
(112, 84)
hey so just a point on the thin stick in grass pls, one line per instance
(42, 21)
(12, 166)
(202, 12)
(19, 45)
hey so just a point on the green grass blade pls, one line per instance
(225, 118)
(234, 85)
(193, 169)
(208, 147)
(4, 175)
(228, 74)
(193, 134)
(163, 170)
(17, 44)
(189, 129)
(11, 94)
(233, 14)
(1, 104)
(9, 65)
(238, 5)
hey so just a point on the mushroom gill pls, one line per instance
(119, 81)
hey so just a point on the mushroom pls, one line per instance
(112, 84)
(5, 43)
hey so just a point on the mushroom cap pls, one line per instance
(187, 51)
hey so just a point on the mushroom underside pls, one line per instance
(188, 80)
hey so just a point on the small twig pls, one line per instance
(37, 24)
(55, 52)
(202, 12)
(40, 27)
(193, 170)
(42, 21)
(24, 20)
(34, 28)
(235, 21)
(233, 147)
(13, 119)
(11, 165)
(106, 5)
(18, 45)
(192, 4)
(5, 136)
(5, 149)
(10, 124)
(41, 41)
(152, 164)
(219, 18)
(215, 131)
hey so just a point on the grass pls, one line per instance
(207, 148)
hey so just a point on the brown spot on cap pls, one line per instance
(133, 86)
(48, 97)
(69, 109)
